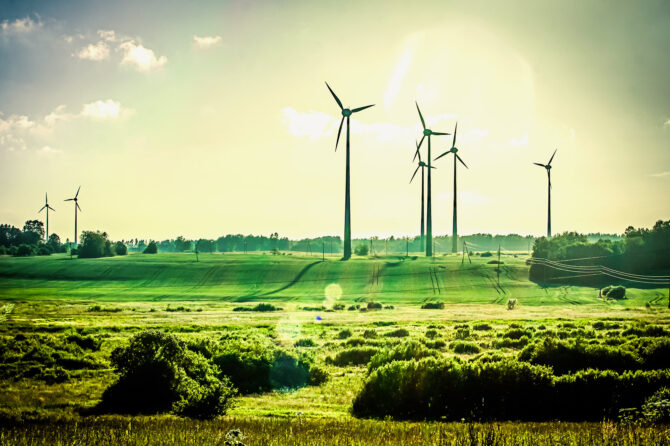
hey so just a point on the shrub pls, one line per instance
(343, 334)
(464, 348)
(304, 342)
(374, 306)
(12, 250)
(152, 248)
(338, 307)
(486, 254)
(482, 327)
(317, 376)
(401, 352)
(433, 306)
(430, 334)
(399, 333)
(353, 307)
(85, 342)
(370, 334)
(614, 292)
(353, 356)
(566, 357)
(650, 330)
(24, 250)
(94, 244)
(3, 250)
(511, 343)
(120, 248)
(259, 307)
(157, 373)
(462, 333)
(355, 342)
(43, 250)
(361, 250)
(517, 333)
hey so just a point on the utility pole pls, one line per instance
(407, 240)
(323, 250)
(245, 246)
(498, 265)
(196, 252)
(387, 247)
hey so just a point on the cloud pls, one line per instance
(97, 52)
(48, 150)
(57, 115)
(665, 174)
(15, 122)
(205, 41)
(395, 82)
(519, 142)
(108, 109)
(20, 26)
(666, 123)
(312, 124)
(108, 35)
(140, 57)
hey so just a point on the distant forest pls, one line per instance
(639, 251)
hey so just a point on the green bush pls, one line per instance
(152, 248)
(352, 356)
(343, 334)
(374, 306)
(398, 333)
(158, 373)
(304, 342)
(94, 244)
(361, 250)
(370, 334)
(431, 334)
(120, 248)
(24, 250)
(464, 348)
(433, 306)
(565, 357)
(405, 351)
(317, 376)
(482, 327)
(259, 307)
(614, 292)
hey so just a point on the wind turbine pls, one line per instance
(346, 113)
(47, 207)
(421, 166)
(76, 206)
(429, 210)
(454, 150)
(548, 167)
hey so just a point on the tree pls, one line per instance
(158, 373)
(361, 250)
(181, 244)
(151, 248)
(9, 236)
(55, 244)
(120, 248)
(94, 244)
(33, 232)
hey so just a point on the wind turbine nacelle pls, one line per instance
(454, 150)
(427, 132)
(346, 112)
(548, 167)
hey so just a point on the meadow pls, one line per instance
(324, 312)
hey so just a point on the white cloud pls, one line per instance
(15, 122)
(97, 52)
(142, 58)
(666, 123)
(57, 115)
(20, 26)
(395, 82)
(205, 41)
(108, 35)
(665, 174)
(108, 109)
(519, 142)
(312, 124)
(48, 150)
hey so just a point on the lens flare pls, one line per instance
(332, 294)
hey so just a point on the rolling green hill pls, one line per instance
(268, 278)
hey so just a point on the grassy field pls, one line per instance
(113, 299)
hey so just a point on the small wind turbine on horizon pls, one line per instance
(346, 113)
(454, 150)
(548, 168)
(76, 207)
(429, 210)
(48, 208)
(421, 166)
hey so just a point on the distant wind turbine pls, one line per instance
(48, 208)
(346, 113)
(548, 167)
(421, 166)
(454, 150)
(429, 210)
(76, 206)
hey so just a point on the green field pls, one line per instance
(115, 298)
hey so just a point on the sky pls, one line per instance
(207, 118)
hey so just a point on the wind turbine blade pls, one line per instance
(356, 110)
(69, 199)
(439, 133)
(421, 142)
(335, 96)
(552, 157)
(46, 197)
(52, 209)
(42, 208)
(423, 123)
(415, 171)
(78, 207)
(433, 167)
(77, 194)
(338, 133)
(453, 142)
(538, 164)
(445, 153)
(462, 162)
(418, 152)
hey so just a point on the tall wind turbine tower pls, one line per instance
(48, 208)
(421, 166)
(429, 209)
(548, 168)
(454, 150)
(346, 113)
(76, 207)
